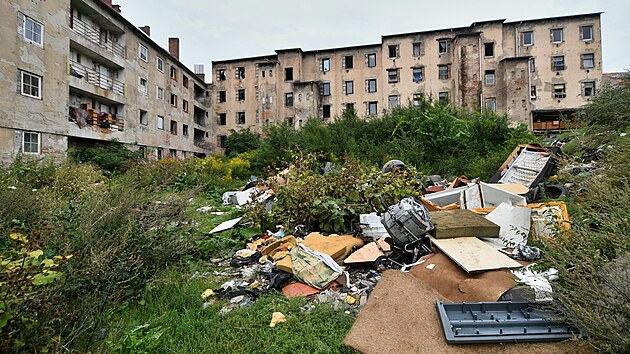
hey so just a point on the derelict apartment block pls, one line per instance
(534, 71)
(76, 72)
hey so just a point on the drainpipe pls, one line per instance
(481, 78)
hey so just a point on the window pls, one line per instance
(349, 106)
(288, 74)
(417, 99)
(142, 85)
(326, 64)
(173, 100)
(370, 85)
(443, 73)
(588, 88)
(33, 31)
(185, 129)
(288, 99)
(559, 91)
(289, 121)
(394, 101)
(160, 122)
(30, 143)
(557, 35)
(221, 139)
(172, 153)
(557, 63)
(348, 62)
(143, 117)
(326, 111)
(392, 75)
(160, 153)
(159, 93)
(348, 87)
(392, 51)
(185, 105)
(143, 53)
(185, 81)
(263, 73)
(418, 74)
(159, 64)
(31, 85)
(173, 73)
(221, 96)
(326, 89)
(240, 117)
(488, 49)
(173, 127)
(586, 33)
(270, 72)
(240, 95)
(532, 92)
(372, 108)
(222, 119)
(588, 61)
(370, 60)
(240, 73)
(143, 151)
(442, 46)
(220, 74)
(491, 105)
(443, 98)
(528, 38)
(532, 65)
(417, 49)
(489, 77)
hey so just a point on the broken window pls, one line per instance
(221, 96)
(240, 95)
(559, 91)
(143, 151)
(394, 101)
(288, 74)
(557, 63)
(326, 89)
(173, 73)
(160, 122)
(392, 51)
(221, 75)
(588, 61)
(240, 117)
(348, 62)
(159, 64)
(221, 139)
(443, 98)
(325, 64)
(588, 88)
(586, 33)
(532, 92)
(185, 105)
(417, 49)
(442, 46)
(443, 72)
(33, 31)
(159, 93)
(143, 117)
(392, 75)
(349, 106)
(417, 99)
(528, 38)
(489, 77)
(160, 153)
(289, 121)
(326, 111)
(372, 108)
(142, 85)
(173, 127)
(418, 75)
(240, 73)
(557, 35)
(184, 129)
(348, 87)
(185, 81)
(491, 105)
(31, 85)
(30, 143)
(488, 49)
(143, 53)
(173, 100)
(222, 119)
(532, 65)
(370, 85)
(288, 99)
(172, 153)
(370, 60)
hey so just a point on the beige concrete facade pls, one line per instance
(531, 70)
(76, 72)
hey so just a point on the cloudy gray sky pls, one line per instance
(216, 30)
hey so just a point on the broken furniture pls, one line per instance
(528, 164)
(473, 255)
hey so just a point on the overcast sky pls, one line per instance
(216, 30)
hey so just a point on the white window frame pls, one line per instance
(443, 97)
(144, 121)
(592, 86)
(369, 108)
(39, 145)
(348, 87)
(159, 93)
(326, 64)
(489, 77)
(41, 31)
(39, 86)
(440, 50)
(583, 60)
(160, 122)
(561, 35)
(368, 85)
(531, 37)
(582, 33)
(395, 99)
(144, 89)
(146, 53)
(159, 64)
(491, 105)
(420, 70)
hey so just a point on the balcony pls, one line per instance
(97, 36)
(86, 116)
(99, 80)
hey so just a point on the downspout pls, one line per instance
(481, 78)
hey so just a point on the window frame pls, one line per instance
(592, 31)
(39, 145)
(443, 98)
(160, 119)
(158, 61)
(159, 93)
(221, 74)
(370, 57)
(288, 99)
(414, 46)
(348, 59)
(41, 31)
(584, 88)
(489, 78)
(240, 94)
(395, 49)
(413, 74)
(173, 100)
(185, 105)
(368, 85)
(173, 127)
(559, 95)
(143, 89)
(239, 115)
(222, 118)
(485, 49)
(533, 92)
(369, 108)
(397, 101)
(144, 117)
(440, 49)
(345, 85)
(490, 101)
(554, 63)
(287, 71)
(583, 60)
(146, 53)
(448, 72)
(531, 38)
(325, 64)
(393, 79)
(553, 31)
(221, 96)
(40, 80)
(326, 91)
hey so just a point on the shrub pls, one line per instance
(240, 142)
(111, 156)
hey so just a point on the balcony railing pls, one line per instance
(86, 116)
(96, 78)
(97, 36)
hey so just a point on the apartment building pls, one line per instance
(76, 72)
(535, 71)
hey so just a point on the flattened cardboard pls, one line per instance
(473, 255)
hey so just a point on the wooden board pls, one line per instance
(473, 255)
(462, 223)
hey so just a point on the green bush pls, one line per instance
(610, 108)
(111, 156)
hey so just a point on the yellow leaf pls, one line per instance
(18, 237)
(48, 263)
(36, 254)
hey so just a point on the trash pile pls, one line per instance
(464, 249)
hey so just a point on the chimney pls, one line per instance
(117, 8)
(146, 29)
(173, 47)
(198, 70)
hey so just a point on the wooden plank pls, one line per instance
(462, 223)
(473, 255)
